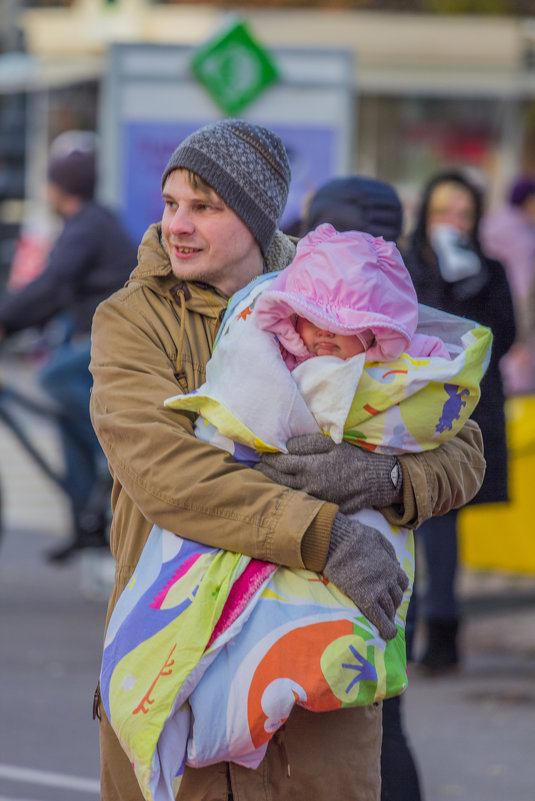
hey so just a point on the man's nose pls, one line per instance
(182, 222)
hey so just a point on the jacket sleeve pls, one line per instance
(530, 316)
(434, 482)
(501, 313)
(173, 479)
(54, 289)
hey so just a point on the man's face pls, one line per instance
(205, 239)
(55, 198)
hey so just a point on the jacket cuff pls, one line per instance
(406, 513)
(315, 542)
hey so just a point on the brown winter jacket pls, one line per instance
(150, 340)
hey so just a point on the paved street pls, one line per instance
(50, 633)
(473, 733)
(49, 664)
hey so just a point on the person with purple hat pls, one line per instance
(508, 234)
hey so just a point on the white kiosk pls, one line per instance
(151, 101)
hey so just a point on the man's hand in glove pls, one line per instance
(363, 565)
(343, 474)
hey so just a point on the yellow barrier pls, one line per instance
(502, 536)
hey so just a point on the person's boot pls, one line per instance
(441, 653)
(91, 532)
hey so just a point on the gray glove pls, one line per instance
(343, 474)
(362, 563)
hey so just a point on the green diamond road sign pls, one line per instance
(234, 68)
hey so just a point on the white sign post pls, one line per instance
(151, 101)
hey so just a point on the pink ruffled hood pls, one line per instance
(345, 283)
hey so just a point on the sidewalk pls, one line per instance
(473, 732)
(30, 500)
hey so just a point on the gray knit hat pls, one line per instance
(246, 165)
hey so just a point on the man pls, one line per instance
(92, 257)
(224, 190)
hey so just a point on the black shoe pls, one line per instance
(441, 654)
(83, 539)
(64, 553)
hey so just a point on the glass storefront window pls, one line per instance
(405, 140)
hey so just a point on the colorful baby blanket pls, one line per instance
(208, 651)
(410, 404)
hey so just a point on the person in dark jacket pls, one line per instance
(356, 203)
(450, 271)
(366, 204)
(92, 257)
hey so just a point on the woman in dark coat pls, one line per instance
(357, 202)
(451, 272)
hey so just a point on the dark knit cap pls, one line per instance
(246, 165)
(74, 173)
(357, 203)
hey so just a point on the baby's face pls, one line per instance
(320, 342)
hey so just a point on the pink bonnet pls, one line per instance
(345, 282)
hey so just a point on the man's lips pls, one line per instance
(183, 252)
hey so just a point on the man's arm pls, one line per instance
(434, 482)
(431, 483)
(173, 479)
(54, 289)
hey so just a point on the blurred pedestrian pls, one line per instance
(91, 257)
(366, 204)
(508, 234)
(451, 271)
(356, 203)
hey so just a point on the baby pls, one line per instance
(345, 293)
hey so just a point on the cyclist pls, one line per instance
(92, 257)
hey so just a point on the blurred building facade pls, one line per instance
(429, 91)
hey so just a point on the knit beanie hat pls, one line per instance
(357, 203)
(246, 165)
(74, 173)
(521, 190)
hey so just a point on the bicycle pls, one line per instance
(90, 521)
